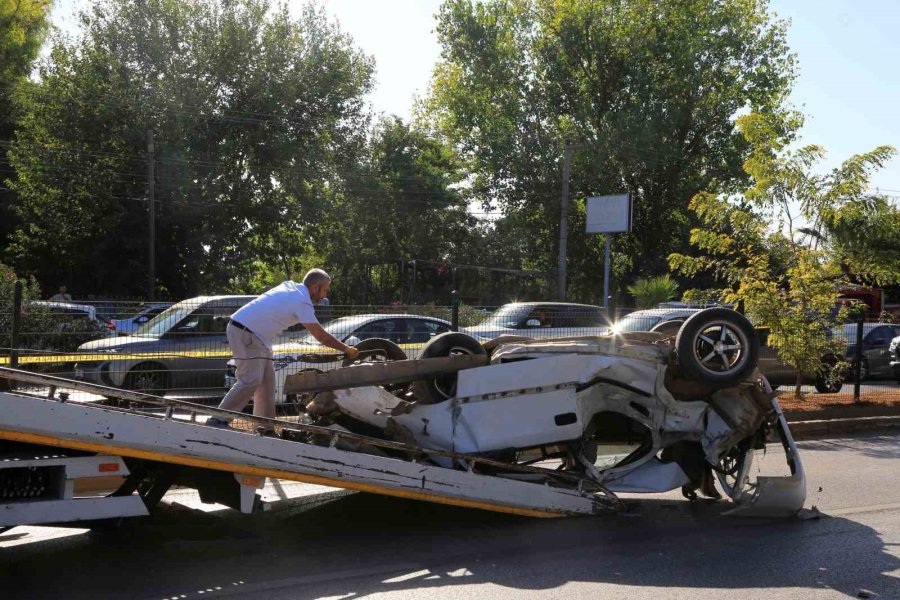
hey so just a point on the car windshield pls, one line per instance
(164, 321)
(507, 316)
(339, 328)
(632, 323)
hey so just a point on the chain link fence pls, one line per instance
(181, 350)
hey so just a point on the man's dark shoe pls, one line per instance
(219, 423)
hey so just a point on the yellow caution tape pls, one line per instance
(102, 356)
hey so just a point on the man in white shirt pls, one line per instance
(62, 296)
(252, 331)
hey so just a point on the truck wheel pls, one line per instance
(438, 389)
(718, 347)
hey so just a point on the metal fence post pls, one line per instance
(857, 358)
(454, 310)
(16, 325)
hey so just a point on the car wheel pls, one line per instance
(148, 378)
(718, 347)
(438, 389)
(733, 471)
(376, 350)
(827, 381)
(669, 328)
(380, 350)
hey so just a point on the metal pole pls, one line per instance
(857, 360)
(606, 273)
(151, 198)
(563, 226)
(16, 325)
(454, 310)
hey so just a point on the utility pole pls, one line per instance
(151, 198)
(564, 221)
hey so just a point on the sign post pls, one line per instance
(607, 215)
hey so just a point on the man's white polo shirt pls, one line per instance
(276, 310)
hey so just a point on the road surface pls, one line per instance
(364, 546)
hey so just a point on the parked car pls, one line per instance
(409, 332)
(67, 312)
(542, 320)
(182, 348)
(133, 319)
(61, 327)
(894, 352)
(668, 321)
(876, 348)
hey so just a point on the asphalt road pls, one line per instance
(363, 546)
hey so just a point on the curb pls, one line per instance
(810, 429)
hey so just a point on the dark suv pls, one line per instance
(543, 320)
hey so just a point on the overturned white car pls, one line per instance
(640, 412)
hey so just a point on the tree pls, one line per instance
(650, 291)
(255, 115)
(788, 280)
(23, 26)
(650, 87)
(402, 201)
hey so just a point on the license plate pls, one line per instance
(79, 373)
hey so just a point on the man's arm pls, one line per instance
(326, 339)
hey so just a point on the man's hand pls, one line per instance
(351, 353)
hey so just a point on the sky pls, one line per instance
(848, 87)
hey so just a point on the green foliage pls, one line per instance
(650, 291)
(23, 25)
(255, 114)
(789, 278)
(650, 88)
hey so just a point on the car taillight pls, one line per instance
(110, 325)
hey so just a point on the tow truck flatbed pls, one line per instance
(178, 450)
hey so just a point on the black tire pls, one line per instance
(824, 386)
(669, 328)
(380, 350)
(438, 389)
(148, 378)
(717, 347)
(376, 349)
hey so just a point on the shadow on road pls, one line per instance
(361, 545)
(873, 445)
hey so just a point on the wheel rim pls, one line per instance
(148, 382)
(720, 347)
(733, 471)
(446, 386)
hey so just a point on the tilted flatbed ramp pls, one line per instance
(164, 439)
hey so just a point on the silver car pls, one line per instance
(182, 348)
(409, 332)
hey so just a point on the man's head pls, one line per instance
(62, 289)
(317, 282)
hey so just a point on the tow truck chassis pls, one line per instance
(156, 450)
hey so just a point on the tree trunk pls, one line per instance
(798, 385)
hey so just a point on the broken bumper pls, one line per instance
(775, 496)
